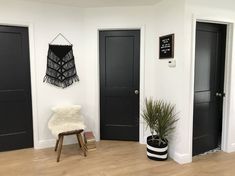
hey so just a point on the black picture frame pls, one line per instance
(166, 46)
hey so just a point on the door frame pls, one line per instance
(226, 117)
(142, 75)
(32, 68)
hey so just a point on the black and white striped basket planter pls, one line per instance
(155, 151)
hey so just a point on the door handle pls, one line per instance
(220, 94)
(136, 92)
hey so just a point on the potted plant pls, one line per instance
(160, 117)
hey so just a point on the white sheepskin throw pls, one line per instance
(66, 118)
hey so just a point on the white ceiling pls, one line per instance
(100, 3)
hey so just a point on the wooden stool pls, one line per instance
(61, 138)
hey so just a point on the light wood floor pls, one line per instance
(112, 158)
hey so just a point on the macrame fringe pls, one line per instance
(61, 70)
(67, 82)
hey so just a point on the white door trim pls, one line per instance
(142, 75)
(32, 73)
(225, 142)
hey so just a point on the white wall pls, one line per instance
(45, 22)
(113, 18)
(81, 26)
(159, 81)
(168, 83)
(216, 11)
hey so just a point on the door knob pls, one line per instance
(220, 94)
(136, 92)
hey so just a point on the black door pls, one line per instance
(15, 93)
(208, 88)
(119, 84)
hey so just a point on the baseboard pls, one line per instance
(48, 143)
(45, 144)
(233, 145)
(142, 140)
(231, 148)
(182, 158)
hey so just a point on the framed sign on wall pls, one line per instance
(166, 46)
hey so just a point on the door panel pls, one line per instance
(209, 80)
(119, 78)
(15, 92)
(122, 105)
(119, 60)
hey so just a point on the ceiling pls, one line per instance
(99, 3)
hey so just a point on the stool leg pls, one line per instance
(79, 143)
(61, 138)
(56, 145)
(80, 140)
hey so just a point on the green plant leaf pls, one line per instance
(160, 117)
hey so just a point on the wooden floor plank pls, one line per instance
(112, 158)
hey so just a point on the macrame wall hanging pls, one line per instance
(61, 70)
